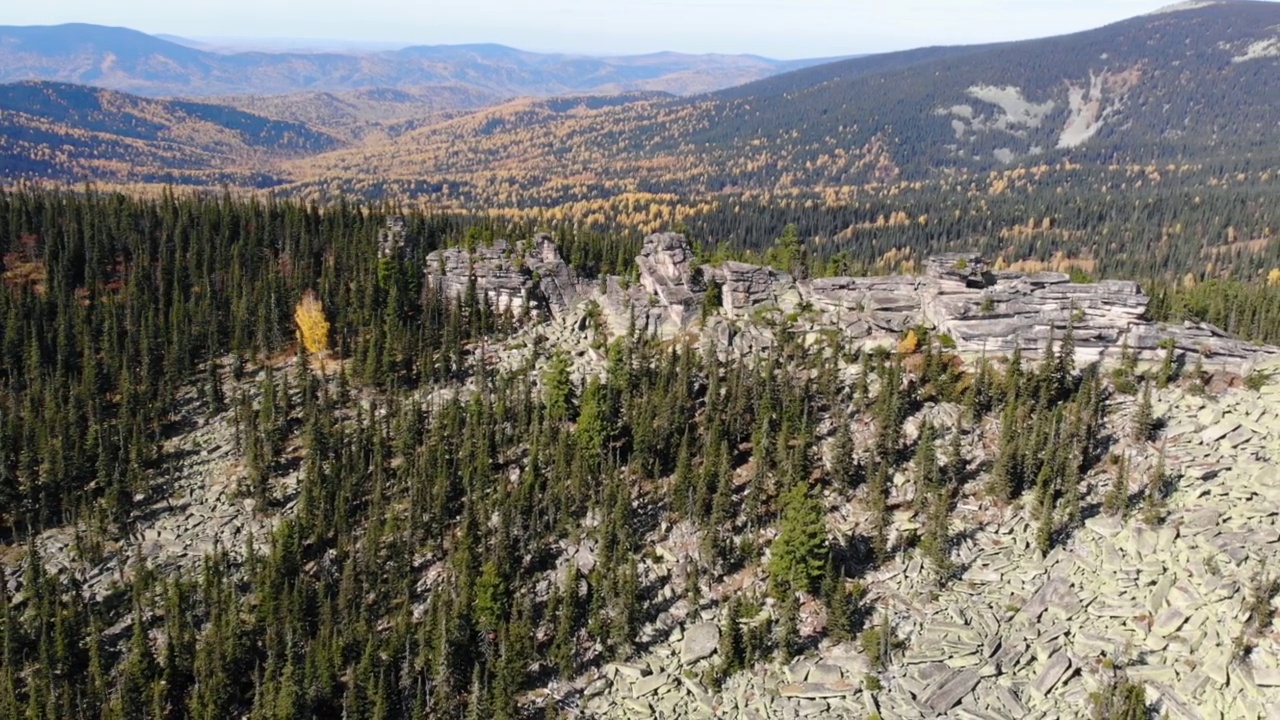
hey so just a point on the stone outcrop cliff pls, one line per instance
(958, 296)
(512, 276)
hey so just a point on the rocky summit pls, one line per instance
(975, 309)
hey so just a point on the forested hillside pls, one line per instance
(1193, 86)
(70, 132)
(455, 514)
(942, 383)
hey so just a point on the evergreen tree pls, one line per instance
(1116, 500)
(1144, 420)
(798, 555)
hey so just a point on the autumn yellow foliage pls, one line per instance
(1273, 277)
(313, 326)
(910, 344)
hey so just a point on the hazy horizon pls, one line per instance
(798, 29)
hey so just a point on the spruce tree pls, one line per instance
(1144, 419)
(1116, 500)
(798, 555)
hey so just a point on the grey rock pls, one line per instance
(817, 690)
(700, 641)
(648, 685)
(1266, 677)
(598, 687)
(953, 691)
(1168, 621)
(1218, 431)
(825, 674)
(1011, 703)
(812, 708)
(1052, 673)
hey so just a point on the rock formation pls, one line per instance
(515, 277)
(959, 297)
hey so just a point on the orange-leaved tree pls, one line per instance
(313, 326)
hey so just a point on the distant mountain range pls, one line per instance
(134, 62)
(1195, 85)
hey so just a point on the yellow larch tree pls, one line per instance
(313, 326)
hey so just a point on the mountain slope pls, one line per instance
(74, 133)
(361, 114)
(1198, 85)
(130, 61)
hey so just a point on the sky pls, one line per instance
(774, 28)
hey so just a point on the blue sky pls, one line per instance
(777, 28)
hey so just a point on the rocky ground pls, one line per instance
(198, 505)
(1018, 635)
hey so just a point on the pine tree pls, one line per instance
(1153, 499)
(843, 463)
(839, 604)
(1045, 524)
(1070, 500)
(878, 504)
(935, 540)
(926, 467)
(683, 488)
(957, 464)
(564, 646)
(787, 638)
(1003, 483)
(558, 389)
(732, 654)
(1168, 366)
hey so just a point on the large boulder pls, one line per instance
(700, 641)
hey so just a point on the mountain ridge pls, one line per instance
(61, 131)
(131, 61)
(1190, 87)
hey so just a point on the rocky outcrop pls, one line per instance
(959, 297)
(393, 240)
(512, 276)
(667, 274)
